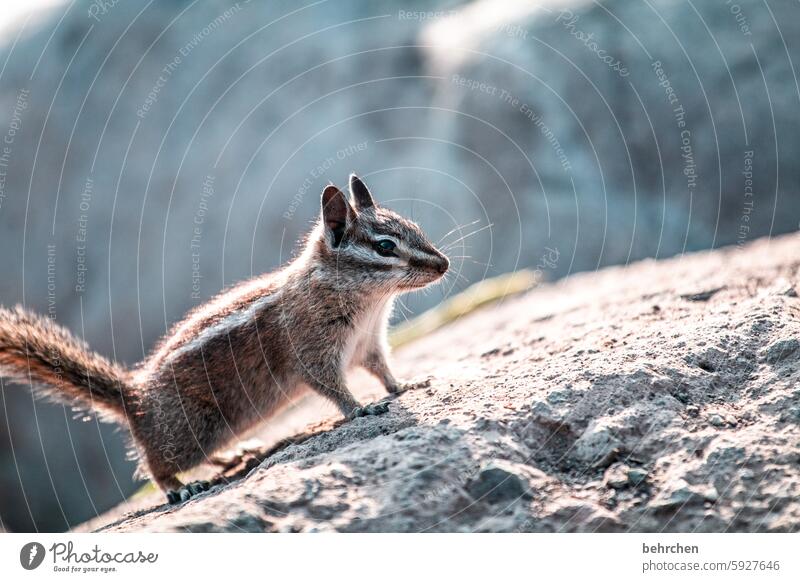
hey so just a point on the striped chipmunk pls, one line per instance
(235, 361)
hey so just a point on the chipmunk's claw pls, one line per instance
(369, 410)
(187, 492)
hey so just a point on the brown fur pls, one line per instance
(232, 363)
(36, 351)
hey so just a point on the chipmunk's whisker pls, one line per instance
(459, 227)
(457, 274)
(461, 276)
(404, 309)
(471, 260)
(466, 236)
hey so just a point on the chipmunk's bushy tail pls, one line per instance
(36, 351)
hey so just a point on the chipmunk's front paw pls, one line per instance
(369, 410)
(187, 491)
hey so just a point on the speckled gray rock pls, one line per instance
(783, 350)
(598, 445)
(496, 483)
(479, 450)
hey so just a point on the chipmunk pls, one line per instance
(233, 362)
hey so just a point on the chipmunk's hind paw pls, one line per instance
(369, 410)
(187, 492)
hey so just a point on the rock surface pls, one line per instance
(582, 406)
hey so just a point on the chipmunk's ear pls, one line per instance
(337, 214)
(360, 193)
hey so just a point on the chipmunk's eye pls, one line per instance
(385, 247)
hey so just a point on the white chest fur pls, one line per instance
(368, 331)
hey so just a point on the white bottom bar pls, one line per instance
(350, 558)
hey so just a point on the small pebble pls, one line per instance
(616, 476)
(716, 420)
(637, 476)
(782, 350)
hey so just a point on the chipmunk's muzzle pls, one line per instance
(434, 264)
(423, 272)
(442, 264)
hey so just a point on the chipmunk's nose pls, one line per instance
(442, 264)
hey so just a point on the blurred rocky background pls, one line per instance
(155, 152)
